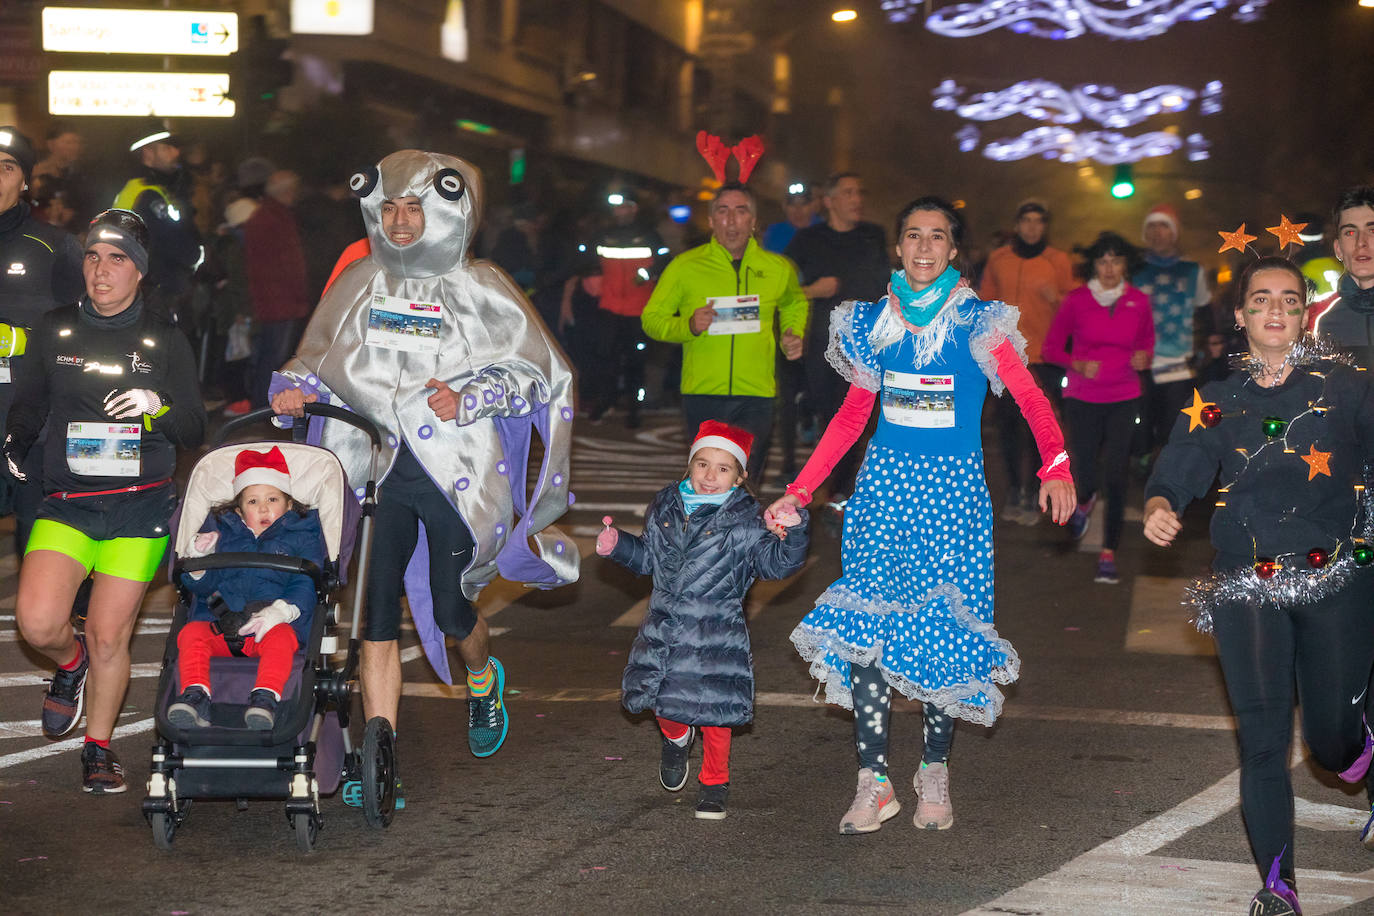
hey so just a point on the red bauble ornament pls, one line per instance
(1316, 557)
(1211, 415)
(1266, 568)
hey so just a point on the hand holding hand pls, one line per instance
(292, 401)
(607, 538)
(780, 519)
(264, 620)
(791, 345)
(444, 402)
(1162, 524)
(701, 319)
(134, 402)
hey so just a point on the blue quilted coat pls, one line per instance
(690, 661)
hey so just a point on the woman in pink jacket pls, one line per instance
(1104, 335)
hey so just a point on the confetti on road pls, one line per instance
(1071, 629)
(35, 859)
(615, 758)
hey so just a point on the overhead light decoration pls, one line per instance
(1042, 100)
(1060, 19)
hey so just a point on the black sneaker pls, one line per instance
(262, 710)
(192, 708)
(711, 802)
(66, 696)
(101, 773)
(672, 762)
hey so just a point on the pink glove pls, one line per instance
(779, 520)
(203, 544)
(607, 539)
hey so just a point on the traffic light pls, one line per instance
(1123, 184)
(261, 67)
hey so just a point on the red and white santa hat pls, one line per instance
(267, 467)
(715, 434)
(1161, 213)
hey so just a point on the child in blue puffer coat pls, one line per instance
(705, 541)
(278, 606)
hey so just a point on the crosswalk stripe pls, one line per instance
(71, 744)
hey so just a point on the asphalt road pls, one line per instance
(1109, 785)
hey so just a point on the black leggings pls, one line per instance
(1328, 647)
(1105, 430)
(873, 715)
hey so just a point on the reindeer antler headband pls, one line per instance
(747, 152)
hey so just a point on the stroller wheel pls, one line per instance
(164, 829)
(379, 773)
(307, 830)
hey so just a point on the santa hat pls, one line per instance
(715, 434)
(261, 467)
(1163, 213)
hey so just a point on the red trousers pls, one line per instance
(197, 644)
(715, 749)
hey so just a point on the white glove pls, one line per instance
(203, 544)
(264, 620)
(123, 405)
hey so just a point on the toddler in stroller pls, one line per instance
(256, 613)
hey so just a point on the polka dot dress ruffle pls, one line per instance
(917, 593)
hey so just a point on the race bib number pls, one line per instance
(5, 371)
(918, 400)
(394, 323)
(104, 449)
(735, 315)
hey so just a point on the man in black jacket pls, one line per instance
(40, 269)
(842, 258)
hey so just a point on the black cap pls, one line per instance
(153, 131)
(17, 145)
(1032, 206)
(798, 190)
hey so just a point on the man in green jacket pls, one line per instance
(720, 301)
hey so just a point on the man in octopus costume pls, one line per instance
(455, 367)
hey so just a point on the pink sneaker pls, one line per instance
(934, 811)
(1357, 770)
(874, 802)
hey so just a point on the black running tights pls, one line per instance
(873, 715)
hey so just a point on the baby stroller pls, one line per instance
(308, 750)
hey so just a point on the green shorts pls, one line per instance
(136, 559)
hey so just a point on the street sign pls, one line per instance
(104, 31)
(331, 17)
(164, 95)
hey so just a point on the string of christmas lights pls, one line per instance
(1106, 147)
(1063, 19)
(1043, 100)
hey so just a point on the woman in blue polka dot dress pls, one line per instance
(913, 609)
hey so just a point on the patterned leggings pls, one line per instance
(872, 712)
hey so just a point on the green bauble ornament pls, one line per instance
(1274, 426)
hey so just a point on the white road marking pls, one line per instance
(71, 744)
(36, 678)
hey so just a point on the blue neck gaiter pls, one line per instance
(692, 500)
(920, 307)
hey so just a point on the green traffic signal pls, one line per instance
(1123, 185)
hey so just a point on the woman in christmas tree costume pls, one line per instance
(1287, 434)
(913, 609)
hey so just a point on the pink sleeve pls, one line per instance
(1035, 407)
(839, 437)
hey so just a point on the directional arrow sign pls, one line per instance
(103, 31)
(165, 95)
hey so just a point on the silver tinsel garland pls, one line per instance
(1291, 584)
(1307, 350)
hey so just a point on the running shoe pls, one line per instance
(1276, 898)
(934, 811)
(192, 708)
(672, 762)
(1367, 834)
(711, 802)
(262, 710)
(874, 802)
(101, 773)
(487, 719)
(1106, 570)
(238, 408)
(1082, 518)
(66, 696)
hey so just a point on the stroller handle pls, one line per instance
(286, 564)
(330, 411)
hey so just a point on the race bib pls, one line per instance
(4, 371)
(922, 401)
(399, 324)
(735, 315)
(104, 449)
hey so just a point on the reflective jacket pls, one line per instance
(737, 365)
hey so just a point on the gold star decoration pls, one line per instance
(1286, 232)
(1317, 462)
(1194, 413)
(1237, 240)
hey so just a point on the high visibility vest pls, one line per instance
(131, 192)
